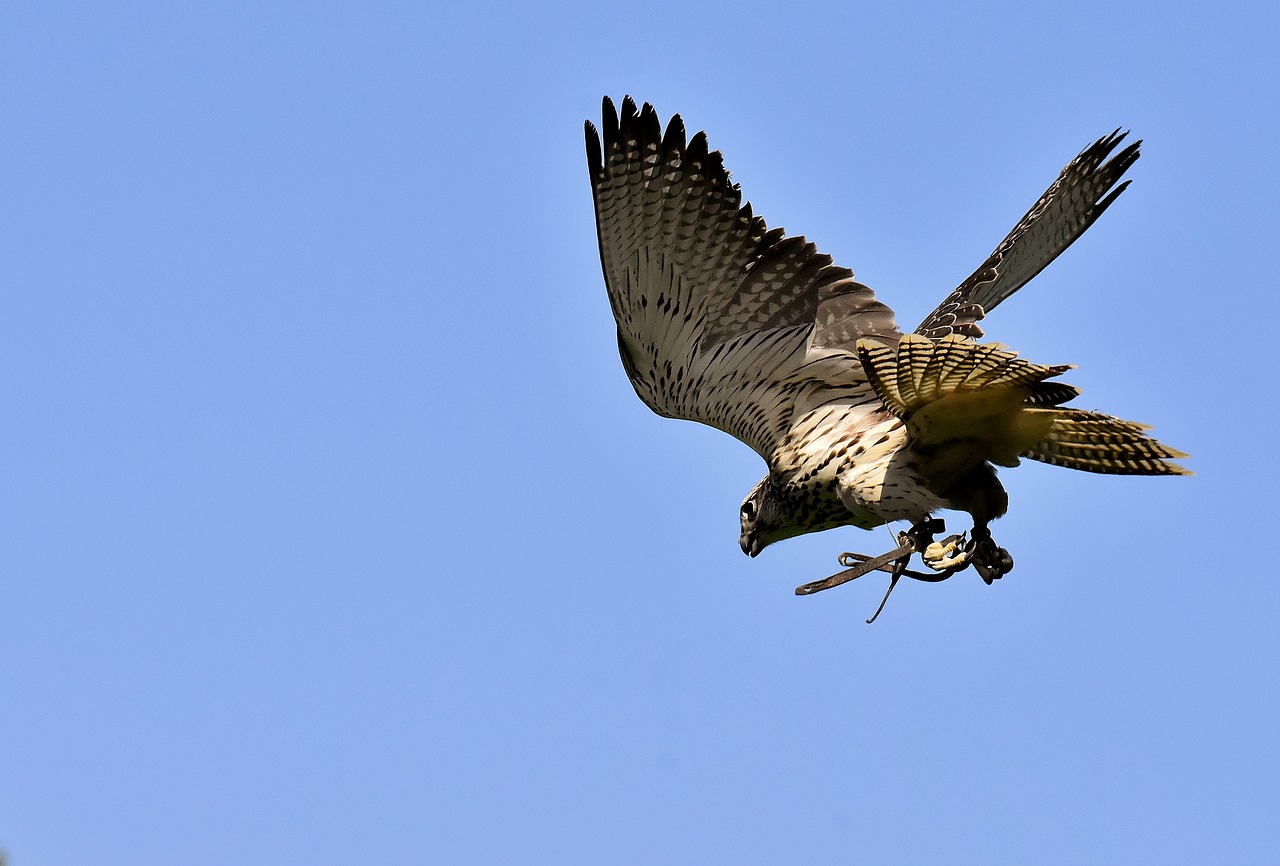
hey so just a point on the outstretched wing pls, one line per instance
(1078, 197)
(720, 320)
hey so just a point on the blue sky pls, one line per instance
(331, 531)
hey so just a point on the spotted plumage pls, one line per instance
(726, 322)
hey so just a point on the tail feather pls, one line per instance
(919, 372)
(1094, 442)
(971, 399)
(1052, 393)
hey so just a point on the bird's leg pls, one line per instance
(954, 554)
(990, 561)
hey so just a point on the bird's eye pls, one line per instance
(748, 510)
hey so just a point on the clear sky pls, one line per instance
(331, 530)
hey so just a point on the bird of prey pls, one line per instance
(726, 322)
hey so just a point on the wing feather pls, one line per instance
(1084, 189)
(720, 320)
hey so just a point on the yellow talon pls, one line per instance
(945, 554)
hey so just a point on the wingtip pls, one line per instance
(1100, 149)
(595, 156)
(609, 121)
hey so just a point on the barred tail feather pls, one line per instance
(1094, 442)
(936, 385)
(962, 400)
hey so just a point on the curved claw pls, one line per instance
(942, 555)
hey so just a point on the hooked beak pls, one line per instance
(747, 541)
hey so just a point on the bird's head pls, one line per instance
(765, 519)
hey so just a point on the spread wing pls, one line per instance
(1078, 197)
(720, 320)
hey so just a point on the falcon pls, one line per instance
(726, 322)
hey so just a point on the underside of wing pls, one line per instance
(720, 320)
(1084, 189)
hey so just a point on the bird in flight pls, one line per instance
(724, 321)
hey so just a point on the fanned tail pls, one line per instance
(964, 402)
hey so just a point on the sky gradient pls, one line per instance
(331, 530)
